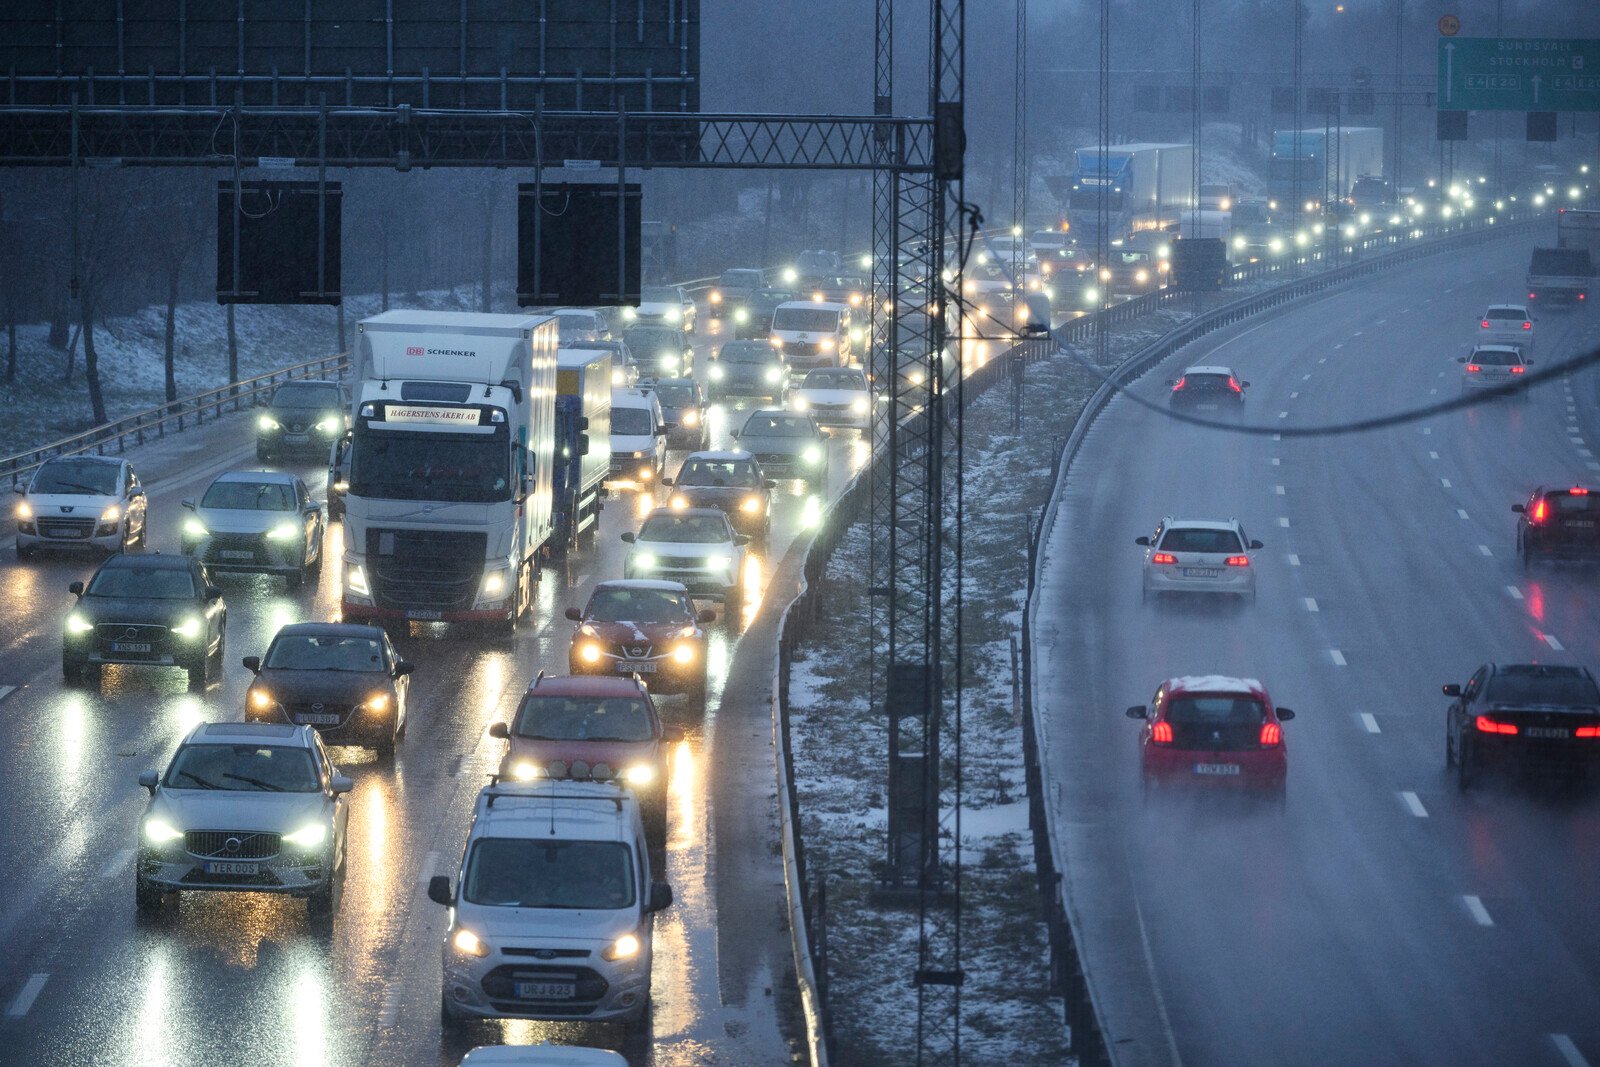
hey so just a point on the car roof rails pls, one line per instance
(497, 789)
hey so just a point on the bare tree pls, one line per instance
(182, 226)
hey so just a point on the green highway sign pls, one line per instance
(1519, 74)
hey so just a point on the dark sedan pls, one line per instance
(683, 406)
(756, 322)
(341, 678)
(748, 368)
(1531, 717)
(660, 351)
(302, 417)
(731, 481)
(147, 610)
(1559, 523)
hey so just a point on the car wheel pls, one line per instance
(71, 672)
(637, 1025)
(322, 901)
(262, 455)
(200, 675)
(24, 551)
(449, 1021)
(122, 540)
(146, 895)
(733, 603)
(295, 578)
(91, 676)
(385, 748)
(1466, 773)
(1449, 747)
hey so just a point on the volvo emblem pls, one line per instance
(130, 632)
(233, 844)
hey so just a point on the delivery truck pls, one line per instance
(583, 416)
(449, 507)
(1327, 162)
(1144, 185)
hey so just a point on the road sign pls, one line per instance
(1449, 25)
(1519, 74)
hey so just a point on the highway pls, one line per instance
(244, 978)
(1384, 917)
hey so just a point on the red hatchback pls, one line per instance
(1213, 731)
(592, 728)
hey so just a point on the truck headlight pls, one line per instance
(683, 654)
(494, 584)
(812, 455)
(617, 377)
(589, 652)
(750, 505)
(309, 836)
(716, 373)
(639, 774)
(469, 944)
(1239, 243)
(826, 344)
(77, 624)
(774, 374)
(159, 831)
(623, 948)
(284, 531)
(630, 313)
(1141, 276)
(267, 422)
(355, 580)
(190, 629)
(777, 342)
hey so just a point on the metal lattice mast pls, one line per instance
(1019, 156)
(1102, 251)
(881, 365)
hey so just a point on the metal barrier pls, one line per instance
(1067, 972)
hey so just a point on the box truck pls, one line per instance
(1327, 161)
(1144, 184)
(583, 417)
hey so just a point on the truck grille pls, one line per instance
(430, 569)
(230, 844)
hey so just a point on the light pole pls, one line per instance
(1397, 133)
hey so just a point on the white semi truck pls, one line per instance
(448, 514)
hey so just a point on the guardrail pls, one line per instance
(1082, 1006)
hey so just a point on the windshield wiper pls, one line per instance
(258, 783)
(196, 778)
(79, 485)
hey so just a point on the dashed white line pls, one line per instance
(1426, 430)
(1310, 603)
(1305, 377)
(1294, 560)
(1475, 908)
(1277, 437)
(1294, 396)
(1461, 512)
(1369, 722)
(1433, 392)
(1283, 414)
(1593, 466)
(117, 864)
(1278, 489)
(1283, 520)
(7, 690)
(428, 866)
(1337, 657)
(1276, 462)
(1433, 455)
(1414, 804)
(1444, 483)
(1514, 592)
(1485, 550)
(1550, 639)
(1568, 1050)
(1585, 453)
(30, 993)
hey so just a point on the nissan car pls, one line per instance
(646, 627)
(302, 416)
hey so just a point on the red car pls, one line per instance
(642, 626)
(1213, 731)
(592, 728)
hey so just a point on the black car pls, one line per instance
(683, 407)
(1558, 523)
(343, 679)
(1207, 387)
(731, 481)
(756, 322)
(748, 368)
(660, 351)
(155, 610)
(338, 474)
(1524, 716)
(302, 417)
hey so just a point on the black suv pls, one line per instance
(1528, 716)
(1559, 522)
(302, 417)
(154, 610)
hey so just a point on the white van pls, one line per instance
(638, 436)
(552, 913)
(812, 334)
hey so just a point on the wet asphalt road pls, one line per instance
(1384, 918)
(244, 978)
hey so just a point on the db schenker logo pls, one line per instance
(414, 350)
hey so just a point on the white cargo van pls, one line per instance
(812, 334)
(638, 436)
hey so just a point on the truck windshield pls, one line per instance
(431, 466)
(818, 320)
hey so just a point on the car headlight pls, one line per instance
(190, 629)
(690, 418)
(623, 948)
(309, 836)
(645, 561)
(261, 699)
(111, 514)
(328, 425)
(716, 373)
(377, 703)
(716, 297)
(801, 403)
(267, 422)
(678, 503)
(1141, 276)
(790, 275)
(639, 774)
(683, 654)
(195, 528)
(355, 580)
(159, 831)
(670, 362)
(777, 342)
(341, 487)
(630, 313)
(24, 512)
(77, 624)
(284, 531)
(716, 561)
(673, 315)
(859, 405)
(523, 771)
(750, 505)
(774, 374)
(1240, 243)
(469, 944)
(741, 315)
(589, 652)
(617, 377)
(812, 455)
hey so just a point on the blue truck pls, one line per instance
(583, 415)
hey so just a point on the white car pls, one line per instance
(244, 807)
(834, 396)
(666, 304)
(1199, 556)
(81, 502)
(578, 325)
(695, 546)
(638, 436)
(552, 914)
(541, 1055)
(1487, 366)
(262, 522)
(1506, 324)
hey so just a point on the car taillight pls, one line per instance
(1238, 561)
(1163, 557)
(1233, 383)
(1487, 725)
(1485, 324)
(1578, 490)
(1527, 325)
(1473, 368)
(1540, 510)
(1518, 370)
(1178, 384)
(1587, 731)
(1161, 733)
(1271, 734)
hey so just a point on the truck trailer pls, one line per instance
(449, 510)
(1328, 162)
(1141, 182)
(583, 416)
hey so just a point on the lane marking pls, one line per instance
(428, 864)
(1338, 657)
(1433, 455)
(1426, 430)
(1370, 722)
(1283, 520)
(117, 864)
(1414, 803)
(1593, 465)
(1324, 359)
(1276, 462)
(1433, 392)
(1550, 639)
(1294, 560)
(29, 994)
(1485, 550)
(1277, 437)
(1278, 489)
(1516, 594)
(1568, 1050)
(1444, 483)
(1310, 603)
(1585, 453)
(1305, 377)
(7, 690)
(1480, 914)
(1283, 414)
(1294, 396)
(1462, 512)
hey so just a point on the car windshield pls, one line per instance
(553, 718)
(1495, 357)
(771, 298)
(834, 379)
(1221, 709)
(244, 768)
(686, 529)
(740, 279)
(143, 583)
(304, 395)
(764, 425)
(658, 296)
(249, 496)
(639, 605)
(77, 476)
(746, 352)
(317, 652)
(819, 320)
(1513, 314)
(632, 422)
(1574, 503)
(653, 339)
(573, 326)
(521, 872)
(1542, 685)
(675, 395)
(1205, 381)
(817, 261)
(740, 473)
(1131, 259)
(1189, 540)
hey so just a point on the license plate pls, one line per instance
(1205, 407)
(296, 438)
(1552, 732)
(629, 666)
(217, 867)
(1202, 572)
(67, 533)
(317, 720)
(1218, 769)
(130, 646)
(1580, 524)
(237, 553)
(546, 990)
(424, 616)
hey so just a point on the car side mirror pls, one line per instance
(574, 614)
(741, 539)
(628, 538)
(189, 503)
(672, 734)
(1244, 385)
(733, 434)
(439, 890)
(136, 491)
(1137, 712)
(705, 616)
(76, 588)
(403, 667)
(340, 784)
(149, 779)
(1284, 714)
(500, 730)
(1255, 545)
(213, 593)
(769, 483)
(1451, 690)
(667, 482)
(1519, 509)
(660, 896)
(665, 428)
(1145, 541)
(1461, 359)
(313, 508)
(253, 664)
(1527, 363)
(583, 443)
